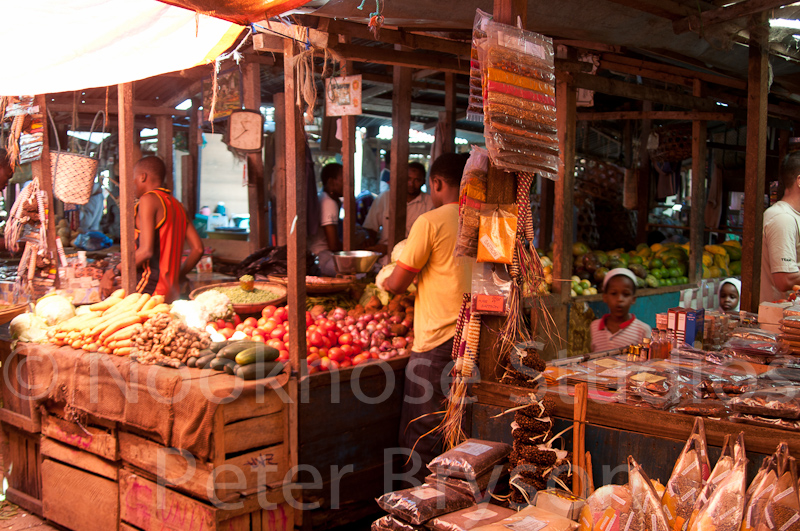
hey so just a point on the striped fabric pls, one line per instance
(630, 333)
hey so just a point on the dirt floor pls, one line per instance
(13, 518)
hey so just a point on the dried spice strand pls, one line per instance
(520, 92)
(526, 63)
(540, 123)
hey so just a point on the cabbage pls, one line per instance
(54, 308)
(384, 274)
(398, 250)
(28, 327)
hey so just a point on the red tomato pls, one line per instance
(326, 325)
(259, 332)
(347, 350)
(313, 349)
(236, 319)
(361, 358)
(313, 370)
(315, 339)
(239, 326)
(285, 337)
(277, 332)
(324, 364)
(230, 325)
(280, 314)
(220, 323)
(283, 355)
(247, 329)
(269, 325)
(356, 349)
(226, 332)
(336, 354)
(261, 321)
(309, 319)
(345, 364)
(311, 358)
(278, 345)
(346, 339)
(268, 312)
(326, 341)
(312, 328)
(251, 321)
(258, 338)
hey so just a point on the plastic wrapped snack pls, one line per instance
(531, 518)
(470, 518)
(687, 478)
(417, 505)
(777, 402)
(726, 505)
(486, 483)
(475, 108)
(608, 507)
(469, 459)
(390, 523)
(471, 196)
(782, 511)
(646, 513)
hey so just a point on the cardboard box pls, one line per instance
(559, 502)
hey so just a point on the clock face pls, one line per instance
(245, 130)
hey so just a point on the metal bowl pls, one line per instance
(351, 262)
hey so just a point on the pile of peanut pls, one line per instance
(165, 340)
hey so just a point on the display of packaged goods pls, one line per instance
(779, 402)
(531, 518)
(560, 502)
(475, 106)
(391, 523)
(470, 518)
(417, 505)
(688, 476)
(767, 422)
(646, 511)
(472, 195)
(725, 506)
(702, 408)
(609, 507)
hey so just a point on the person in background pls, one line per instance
(729, 295)
(618, 328)
(417, 204)
(326, 241)
(442, 281)
(6, 172)
(92, 211)
(162, 229)
(385, 176)
(780, 245)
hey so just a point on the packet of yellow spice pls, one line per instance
(497, 234)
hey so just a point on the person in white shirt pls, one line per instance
(780, 246)
(326, 241)
(377, 222)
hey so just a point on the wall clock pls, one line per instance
(245, 130)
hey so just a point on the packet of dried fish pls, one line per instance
(469, 459)
(687, 478)
(647, 512)
(531, 518)
(417, 505)
(782, 512)
(470, 518)
(392, 523)
(725, 507)
(724, 466)
(608, 507)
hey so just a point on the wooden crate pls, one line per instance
(147, 506)
(18, 408)
(79, 489)
(338, 428)
(247, 436)
(96, 436)
(22, 468)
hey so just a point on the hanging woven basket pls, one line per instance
(74, 173)
(674, 143)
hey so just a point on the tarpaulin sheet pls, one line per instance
(55, 46)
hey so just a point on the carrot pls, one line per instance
(161, 308)
(77, 344)
(126, 333)
(119, 324)
(105, 305)
(106, 321)
(125, 351)
(123, 343)
(141, 302)
(154, 301)
(120, 294)
(126, 304)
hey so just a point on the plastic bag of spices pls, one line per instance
(608, 507)
(391, 523)
(417, 505)
(470, 518)
(469, 459)
(647, 513)
(497, 233)
(471, 196)
(725, 507)
(782, 512)
(687, 478)
(731, 452)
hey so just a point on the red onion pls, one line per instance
(402, 351)
(399, 342)
(374, 350)
(365, 317)
(350, 320)
(350, 327)
(382, 315)
(370, 328)
(408, 323)
(395, 319)
(385, 346)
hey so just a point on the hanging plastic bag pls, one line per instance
(782, 512)
(472, 195)
(731, 452)
(475, 107)
(491, 289)
(497, 235)
(647, 512)
(687, 478)
(725, 507)
(608, 507)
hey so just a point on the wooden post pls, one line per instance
(448, 116)
(697, 222)
(755, 162)
(566, 110)
(279, 101)
(42, 172)
(191, 171)
(643, 186)
(126, 191)
(500, 189)
(349, 172)
(165, 132)
(401, 123)
(255, 163)
(546, 199)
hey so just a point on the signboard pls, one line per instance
(343, 96)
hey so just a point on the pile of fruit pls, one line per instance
(335, 339)
(654, 266)
(246, 359)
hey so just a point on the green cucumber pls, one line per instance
(257, 354)
(216, 346)
(202, 362)
(253, 371)
(232, 349)
(230, 368)
(219, 364)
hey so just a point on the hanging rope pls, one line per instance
(237, 56)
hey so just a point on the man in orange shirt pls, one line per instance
(162, 228)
